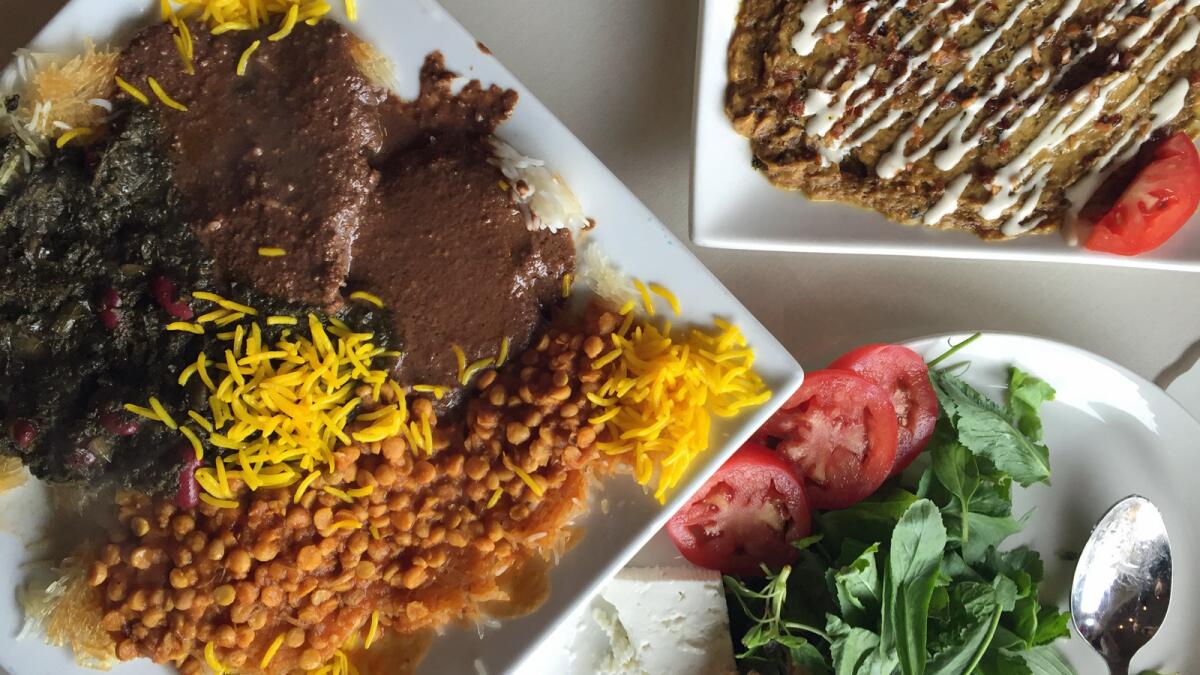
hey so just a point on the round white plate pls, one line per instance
(1111, 433)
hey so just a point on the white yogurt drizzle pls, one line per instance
(1017, 187)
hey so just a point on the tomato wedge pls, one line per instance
(903, 374)
(747, 514)
(1159, 200)
(839, 432)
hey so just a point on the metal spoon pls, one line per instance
(1122, 582)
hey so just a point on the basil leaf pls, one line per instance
(914, 561)
(1026, 394)
(1043, 661)
(956, 470)
(986, 430)
(975, 613)
(870, 520)
(856, 651)
(1052, 625)
(858, 589)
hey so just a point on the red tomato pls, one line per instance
(839, 432)
(1159, 200)
(747, 514)
(903, 374)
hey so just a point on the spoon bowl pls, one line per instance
(1122, 584)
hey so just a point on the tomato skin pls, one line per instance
(1157, 203)
(904, 375)
(839, 432)
(746, 515)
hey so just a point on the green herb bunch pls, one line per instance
(915, 579)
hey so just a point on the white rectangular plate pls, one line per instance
(406, 30)
(734, 206)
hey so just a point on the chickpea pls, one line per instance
(365, 570)
(394, 449)
(215, 550)
(294, 637)
(437, 558)
(224, 595)
(258, 619)
(247, 593)
(239, 614)
(516, 433)
(265, 549)
(496, 395)
(310, 659)
(137, 601)
(178, 578)
(561, 393)
(424, 473)
(182, 557)
(140, 526)
(358, 542)
(184, 598)
(238, 563)
(182, 524)
(127, 650)
(309, 558)
(111, 555)
(484, 545)
(486, 379)
(245, 637)
(153, 617)
(476, 468)
(385, 475)
(413, 577)
(97, 574)
(196, 541)
(422, 407)
(141, 558)
(456, 539)
(271, 596)
(585, 437)
(225, 637)
(322, 518)
(297, 518)
(592, 346)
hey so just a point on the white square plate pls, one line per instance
(734, 206)
(406, 30)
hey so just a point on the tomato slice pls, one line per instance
(1159, 200)
(747, 514)
(903, 374)
(839, 432)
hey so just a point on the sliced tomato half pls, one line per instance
(839, 432)
(904, 376)
(746, 515)
(1157, 203)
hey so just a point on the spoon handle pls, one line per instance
(1118, 667)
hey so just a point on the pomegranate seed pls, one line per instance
(23, 433)
(164, 293)
(119, 425)
(109, 319)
